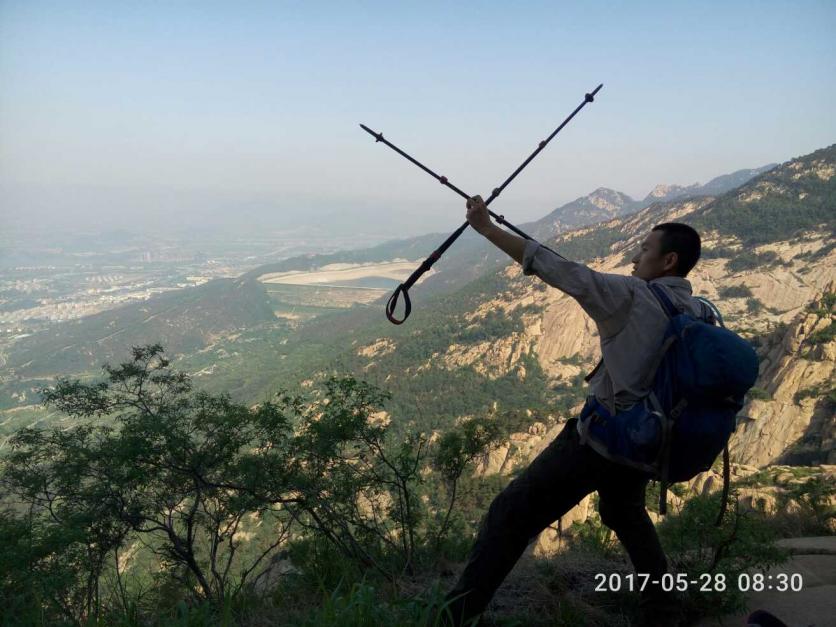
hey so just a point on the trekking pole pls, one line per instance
(436, 255)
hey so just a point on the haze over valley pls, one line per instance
(206, 416)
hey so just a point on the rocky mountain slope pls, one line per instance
(507, 343)
(604, 204)
(778, 293)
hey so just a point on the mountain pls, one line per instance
(662, 192)
(715, 187)
(491, 340)
(457, 266)
(507, 344)
(790, 198)
(728, 182)
(602, 204)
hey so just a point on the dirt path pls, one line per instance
(814, 605)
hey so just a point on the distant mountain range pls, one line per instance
(226, 329)
(605, 204)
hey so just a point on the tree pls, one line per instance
(456, 450)
(180, 468)
(149, 459)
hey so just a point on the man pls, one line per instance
(631, 323)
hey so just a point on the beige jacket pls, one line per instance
(630, 320)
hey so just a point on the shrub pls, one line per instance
(572, 360)
(823, 336)
(759, 394)
(149, 461)
(822, 252)
(596, 537)
(753, 305)
(735, 291)
(824, 306)
(720, 252)
(818, 392)
(747, 260)
(696, 546)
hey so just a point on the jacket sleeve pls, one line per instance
(606, 298)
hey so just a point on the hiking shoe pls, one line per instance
(660, 609)
(762, 618)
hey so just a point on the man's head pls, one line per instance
(671, 249)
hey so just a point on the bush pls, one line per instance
(747, 260)
(823, 336)
(818, 392)
(822, 252)
(753, 305)
(596, 537)
(759, 394)
(815, 498)
(720, 252)
(183, 473)
(735, 291)
(824, 306)
(696, 546)
(572, 360)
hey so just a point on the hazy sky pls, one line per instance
(164, 112)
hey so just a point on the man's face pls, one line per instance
(649, 263)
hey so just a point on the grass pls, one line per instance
(759, 394)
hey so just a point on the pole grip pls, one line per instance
(393, 301)
(425, 265)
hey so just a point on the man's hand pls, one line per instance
(480, 220)
(478, 216)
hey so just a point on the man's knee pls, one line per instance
(505, 509)
(618, 514)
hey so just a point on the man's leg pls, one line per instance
(622, 508)
(557, 479)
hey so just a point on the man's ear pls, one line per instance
(671, 261)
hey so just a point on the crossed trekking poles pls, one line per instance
(403, 288)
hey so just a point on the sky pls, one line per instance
(150, 115)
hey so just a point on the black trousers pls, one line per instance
(558, 478)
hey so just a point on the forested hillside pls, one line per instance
(334, 471)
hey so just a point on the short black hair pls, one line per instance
(684, 241)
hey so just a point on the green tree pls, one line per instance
(146, 458)
(456, 450)
(182, 468)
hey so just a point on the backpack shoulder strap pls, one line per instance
(726, 474)
(667, 305)
(588, 377)
(715, 317)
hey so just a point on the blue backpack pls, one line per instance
(697, 384)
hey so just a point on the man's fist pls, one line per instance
(477, 215)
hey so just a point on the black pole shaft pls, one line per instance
(427, 264)
(444, 181)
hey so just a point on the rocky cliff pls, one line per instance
(779, 295)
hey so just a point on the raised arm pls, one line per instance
(606, 298)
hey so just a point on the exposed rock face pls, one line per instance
(769, 430)
(602, 204)
(564, 339)
(378, 348)
(665, 192)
